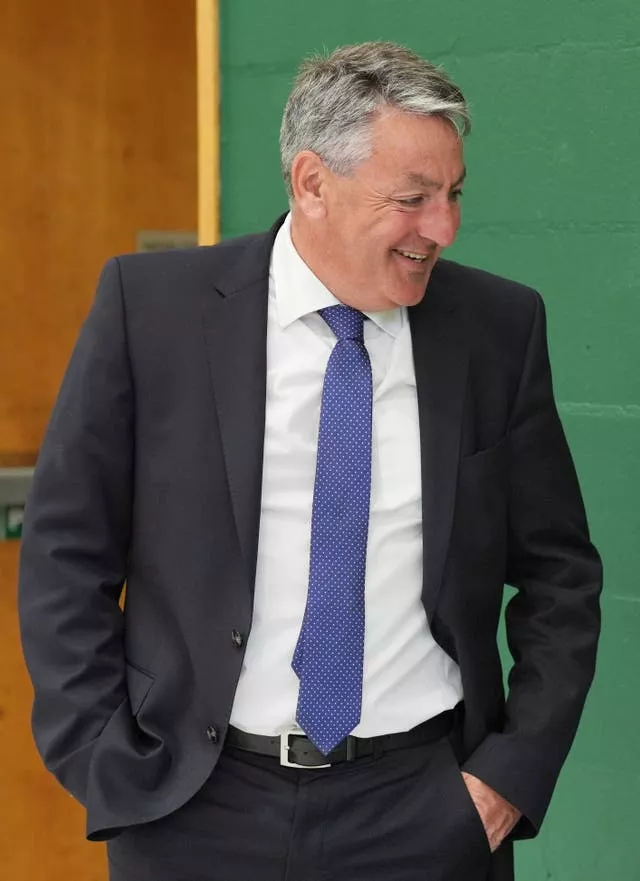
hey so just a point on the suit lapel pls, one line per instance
(441, 362)
(235, 322)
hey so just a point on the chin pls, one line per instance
(412, 296)
(413, 301)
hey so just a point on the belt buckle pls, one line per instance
(284, 753)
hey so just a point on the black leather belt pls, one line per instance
(297, 751)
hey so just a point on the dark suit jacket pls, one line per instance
(150, 471)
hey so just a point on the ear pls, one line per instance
(309, 180)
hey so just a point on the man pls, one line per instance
(315, 455)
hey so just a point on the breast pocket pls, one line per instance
(487, 460)
(480, 520)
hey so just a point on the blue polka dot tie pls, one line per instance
(328, 658)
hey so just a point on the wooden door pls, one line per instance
(98, 141)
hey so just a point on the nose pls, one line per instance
(440, 222)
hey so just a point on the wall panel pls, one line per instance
(97, 141)
(552, 199)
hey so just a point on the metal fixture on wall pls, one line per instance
(14, 486)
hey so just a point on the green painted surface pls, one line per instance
(552, 200)
(11, 522)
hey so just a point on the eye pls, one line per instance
(455, 195)
(411, 201)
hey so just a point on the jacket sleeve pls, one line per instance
(74, 546)
(553, 621)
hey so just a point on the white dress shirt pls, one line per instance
(407, 677)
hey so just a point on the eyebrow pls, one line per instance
(422, 180)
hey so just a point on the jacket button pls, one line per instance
(212, 734)
(237, 638)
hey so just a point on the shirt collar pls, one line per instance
(299, 292)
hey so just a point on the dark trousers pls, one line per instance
(405, 816)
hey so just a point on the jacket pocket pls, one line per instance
(138, 685)
(487, 458)
(479, 533)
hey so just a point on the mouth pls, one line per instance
(417, 258)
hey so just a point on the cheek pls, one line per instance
(389, 230)
(403, 227)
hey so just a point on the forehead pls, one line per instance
(412, 146)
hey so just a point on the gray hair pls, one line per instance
(335, 98)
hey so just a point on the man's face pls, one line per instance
(387, 223)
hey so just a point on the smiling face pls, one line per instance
(374, 236)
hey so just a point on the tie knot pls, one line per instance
(345, 322)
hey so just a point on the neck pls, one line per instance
(313, 248)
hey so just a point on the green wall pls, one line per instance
(552, 200)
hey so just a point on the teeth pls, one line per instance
(419, 258)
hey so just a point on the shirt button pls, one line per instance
(237, 638)
(212, 734)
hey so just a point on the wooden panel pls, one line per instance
(208, 38)
(41, 827)
(98, 140)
